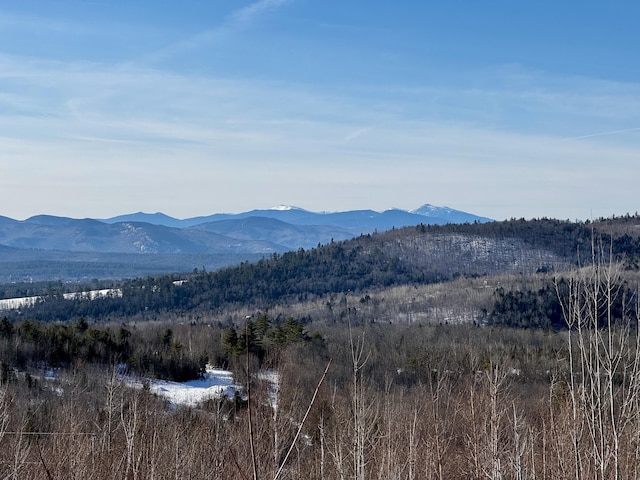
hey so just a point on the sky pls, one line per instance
(499, 108)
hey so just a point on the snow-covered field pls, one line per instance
(215, 384)
(14, 303)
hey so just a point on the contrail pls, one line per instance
(612, 132)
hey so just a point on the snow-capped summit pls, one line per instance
(448, 214)
(431, 210)
(285, 208)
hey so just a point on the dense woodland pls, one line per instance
(513, 354)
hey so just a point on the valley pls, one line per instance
(429, 351)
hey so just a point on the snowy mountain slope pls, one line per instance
(449, 215)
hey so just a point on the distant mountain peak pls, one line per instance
(427, 208)
(157, 218)
(447, 213)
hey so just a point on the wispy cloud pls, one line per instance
(36, 24)
(355, 134)
(240, 18)
(250, 12)
(602, 134)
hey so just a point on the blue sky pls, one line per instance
(500, 108)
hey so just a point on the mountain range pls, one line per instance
(253, 233)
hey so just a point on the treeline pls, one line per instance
(31, 346)
(167, 353)
(263, 336)
(546, 307)
(528, 308)
(52, 288)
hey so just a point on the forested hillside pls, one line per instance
(418, 255)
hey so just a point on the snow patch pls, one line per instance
(216, 383)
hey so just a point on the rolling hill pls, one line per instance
(418, 255)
